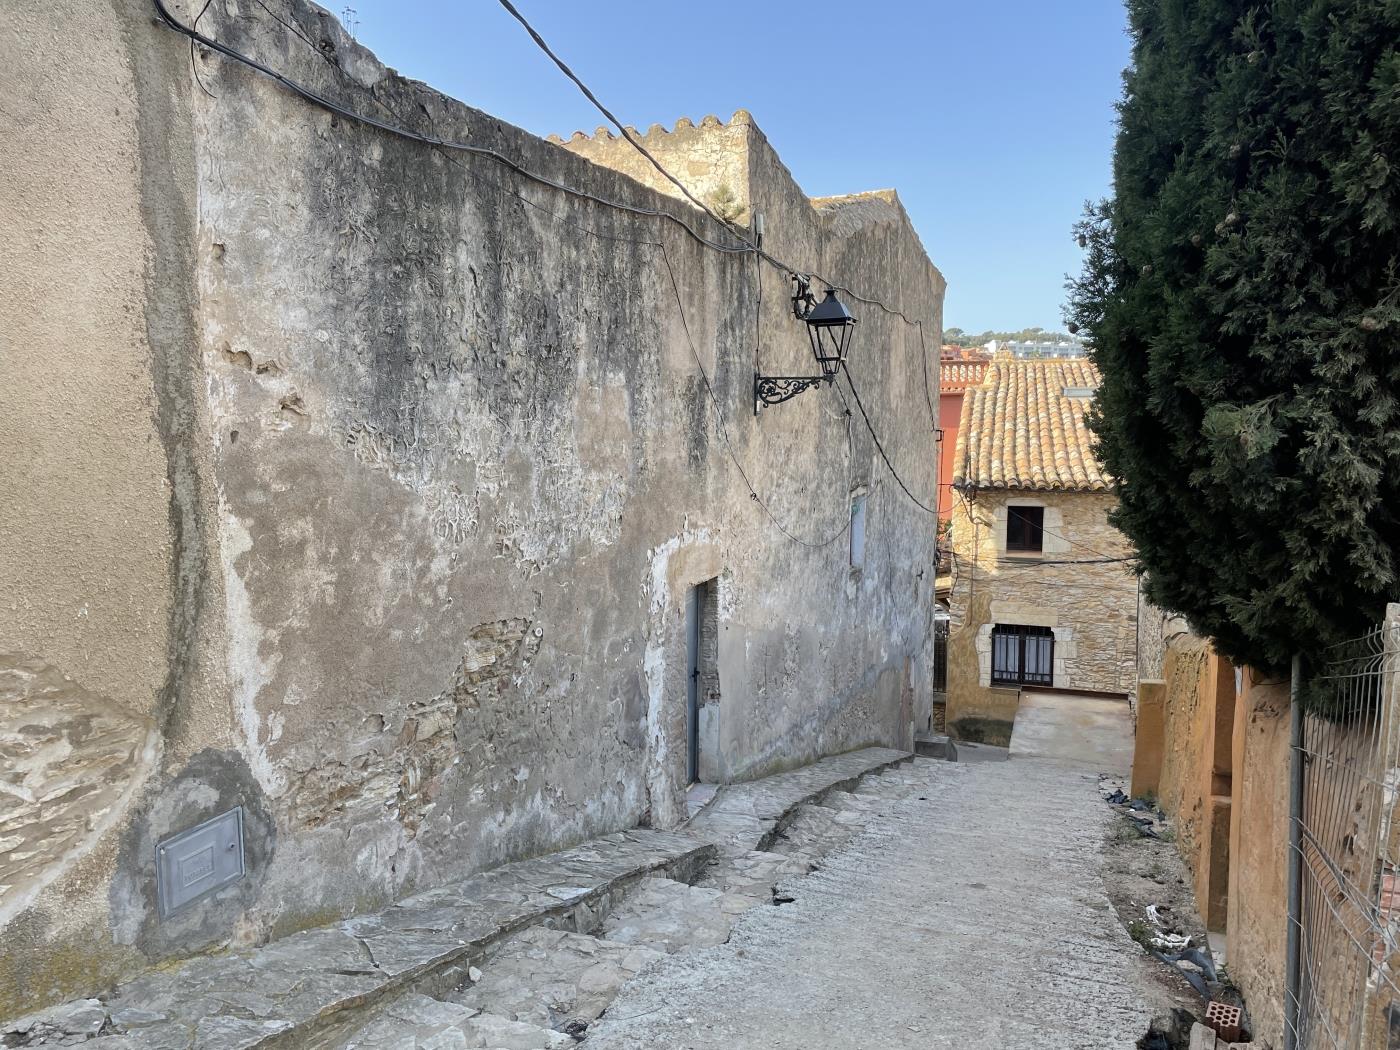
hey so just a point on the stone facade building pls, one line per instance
(1042, 593)
(368, 490)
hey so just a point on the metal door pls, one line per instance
(692, 686)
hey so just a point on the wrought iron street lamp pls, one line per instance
(829, 328)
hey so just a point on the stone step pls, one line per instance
(935, 745)
(419, 1022)
(848, 802)
(746, 816)
(753, 874)
(669, 916)
(313, 988)
(553, 978)
(816, 831)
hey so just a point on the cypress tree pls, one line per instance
(1241, 296)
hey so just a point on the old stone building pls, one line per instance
(1042, 594)
(369, 490)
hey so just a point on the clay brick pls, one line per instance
(1225, 1020)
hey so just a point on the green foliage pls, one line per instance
(725, 204)
(1241, 293)
(957, 337)
(1142, 933)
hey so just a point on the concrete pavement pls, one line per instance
(1094, 731)
(970, 913)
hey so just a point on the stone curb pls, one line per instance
(296, 991)
(750, 815)
(306, 989)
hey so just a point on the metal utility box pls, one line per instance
(199, 861)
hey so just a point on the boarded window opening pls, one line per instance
(858, 530)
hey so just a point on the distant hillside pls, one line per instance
(957, 337)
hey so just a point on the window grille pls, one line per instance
(1023, 655)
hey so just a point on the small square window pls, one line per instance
(1025, 528)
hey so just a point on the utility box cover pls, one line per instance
(198, 861)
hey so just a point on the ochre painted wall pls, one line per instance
(1258, 883)
(1192, 755)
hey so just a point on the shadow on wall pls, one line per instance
(974, 730)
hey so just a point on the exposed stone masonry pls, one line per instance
(1088, 599)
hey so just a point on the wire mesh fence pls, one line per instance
(1349, 922)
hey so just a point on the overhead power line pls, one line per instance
(755, 244)
(745, 247)
(626, 133)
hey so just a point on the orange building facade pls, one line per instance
(959, 368)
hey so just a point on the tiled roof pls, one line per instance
(1019, 430)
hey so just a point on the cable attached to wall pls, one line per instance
(756, 244)
(724, 430)
(435, 141)
(881, 448)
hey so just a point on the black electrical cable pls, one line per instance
(724, 431)
(1036, 563)
(749, 245)
(431, 140)
(881, 448)
(755, 245)
(928, 392)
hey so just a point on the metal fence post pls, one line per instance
(1293, 973)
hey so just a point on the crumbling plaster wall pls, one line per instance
(421, 467)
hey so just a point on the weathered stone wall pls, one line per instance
(712, 159)
(1092, 608)
(364, 483)
(106, 677)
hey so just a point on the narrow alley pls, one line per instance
(536, 526)
(970, 912)
(869, 900)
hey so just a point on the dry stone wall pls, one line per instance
(402, 469)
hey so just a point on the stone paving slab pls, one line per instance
(279, 994)
(670, 916)
(313, 988)
(970, 914)
(555, 979)
(753, 874)
(418, 1022)
(745, 817)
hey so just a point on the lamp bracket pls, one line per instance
(803, 299)
(774, 390)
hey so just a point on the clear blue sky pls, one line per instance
(993, 119)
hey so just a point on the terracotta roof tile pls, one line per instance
(1019, 430)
